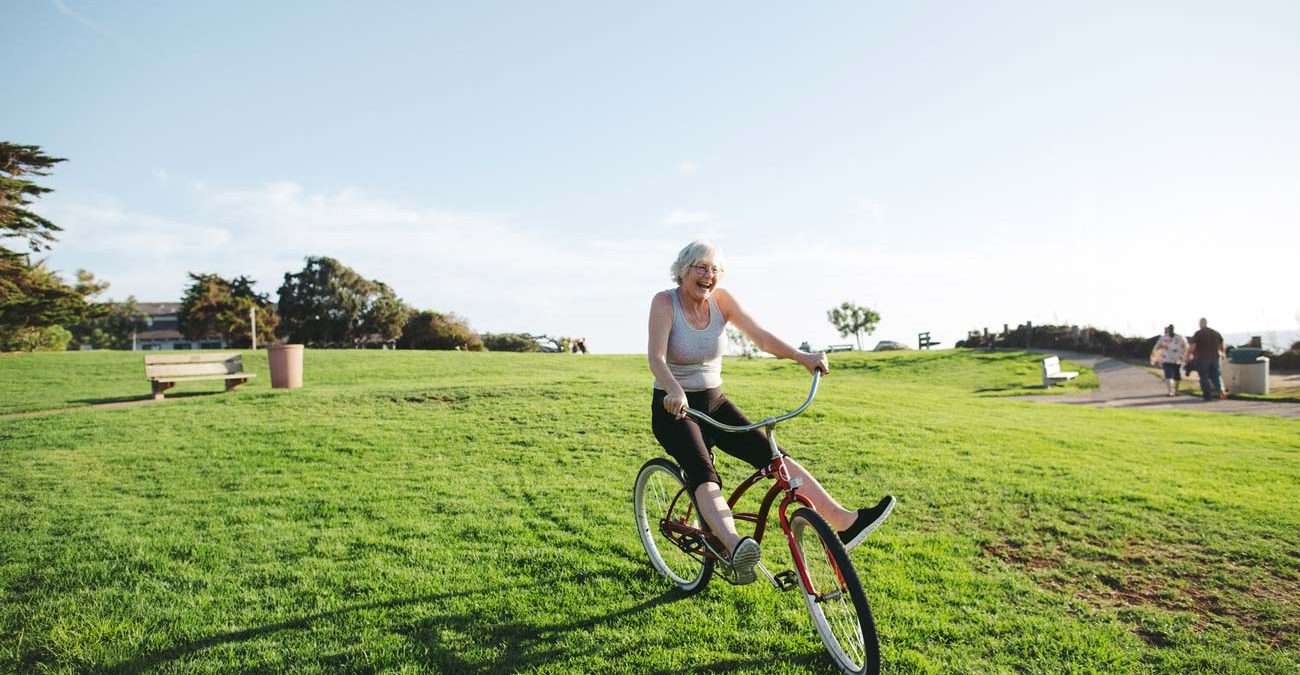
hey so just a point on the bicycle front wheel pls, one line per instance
(835, 601)
(667, 522)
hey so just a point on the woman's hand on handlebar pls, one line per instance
(814, 361)
(675, 403)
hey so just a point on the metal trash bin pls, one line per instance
(1249, 377)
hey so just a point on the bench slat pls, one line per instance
(193, 357)
(182, 369)
(232, 376)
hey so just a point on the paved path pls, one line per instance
(1124, 385)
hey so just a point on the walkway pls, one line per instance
(1124, 385)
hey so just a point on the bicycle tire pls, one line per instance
(840, 612)
(659, 487)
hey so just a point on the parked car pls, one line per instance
(889, 346)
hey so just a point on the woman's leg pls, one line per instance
(754, 448)
(839, 517)
(715, 512)
(685, 441)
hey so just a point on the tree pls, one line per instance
(850, 319)
(16, 194)
(109, 325)
(32, 298)
(434, 330)
(216, 307)
(741, 343)
(385, 318)
(328, 304)
(105, 325)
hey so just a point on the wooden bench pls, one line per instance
(1052, 372)
(923, 341)
(839, 348)
(165, 370)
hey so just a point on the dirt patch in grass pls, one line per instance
(1174, 577)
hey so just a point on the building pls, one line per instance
(161, 330)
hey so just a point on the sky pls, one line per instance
(535, 167)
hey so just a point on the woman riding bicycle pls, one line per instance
(685, 352)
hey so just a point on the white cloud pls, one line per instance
(688, 168)
(687, 218)
(502, 275)
(106, 229)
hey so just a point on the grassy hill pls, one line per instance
(460, 512)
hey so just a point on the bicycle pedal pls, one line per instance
(786, 580)
(691, 543)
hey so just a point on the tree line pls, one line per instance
(326, 304)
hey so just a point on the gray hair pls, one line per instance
(694, 252)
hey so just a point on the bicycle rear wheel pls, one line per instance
(665, 516)
(836, 602)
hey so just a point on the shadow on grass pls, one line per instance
(514, 645)
(526, 644)
(142, 397)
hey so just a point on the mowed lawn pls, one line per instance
(460, 512)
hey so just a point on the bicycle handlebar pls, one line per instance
(817, 376)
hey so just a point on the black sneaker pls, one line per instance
(868, 520)
(743, 560)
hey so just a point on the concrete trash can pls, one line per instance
(286, 366)
(1246, 378)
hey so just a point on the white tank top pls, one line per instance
(695, 354)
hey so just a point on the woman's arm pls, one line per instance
(661, 324)
(764, 340)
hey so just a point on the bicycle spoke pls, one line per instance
(659, 499)
(839, 609)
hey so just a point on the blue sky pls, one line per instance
(536, 166)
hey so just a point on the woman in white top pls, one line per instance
(685, 352)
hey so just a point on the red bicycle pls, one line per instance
(681, 547)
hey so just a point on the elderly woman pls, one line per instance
(685, 352)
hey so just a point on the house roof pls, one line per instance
(159, 308)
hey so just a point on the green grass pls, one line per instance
(457, 512)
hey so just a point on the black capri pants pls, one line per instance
(689, 441)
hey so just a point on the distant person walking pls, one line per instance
(1169, 353)
(1206, 350)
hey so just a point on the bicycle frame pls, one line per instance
(785, 485)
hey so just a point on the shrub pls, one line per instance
(509, 342)
(1287, 360)
(434, 330)
(1088, 340)
(43, 339)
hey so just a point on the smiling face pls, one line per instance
(701, 279)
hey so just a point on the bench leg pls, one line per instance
(231, 384)
(159, 388)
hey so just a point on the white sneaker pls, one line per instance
(744, 559)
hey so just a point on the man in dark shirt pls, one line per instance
(1206, 347)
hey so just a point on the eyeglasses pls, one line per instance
(706, 270)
